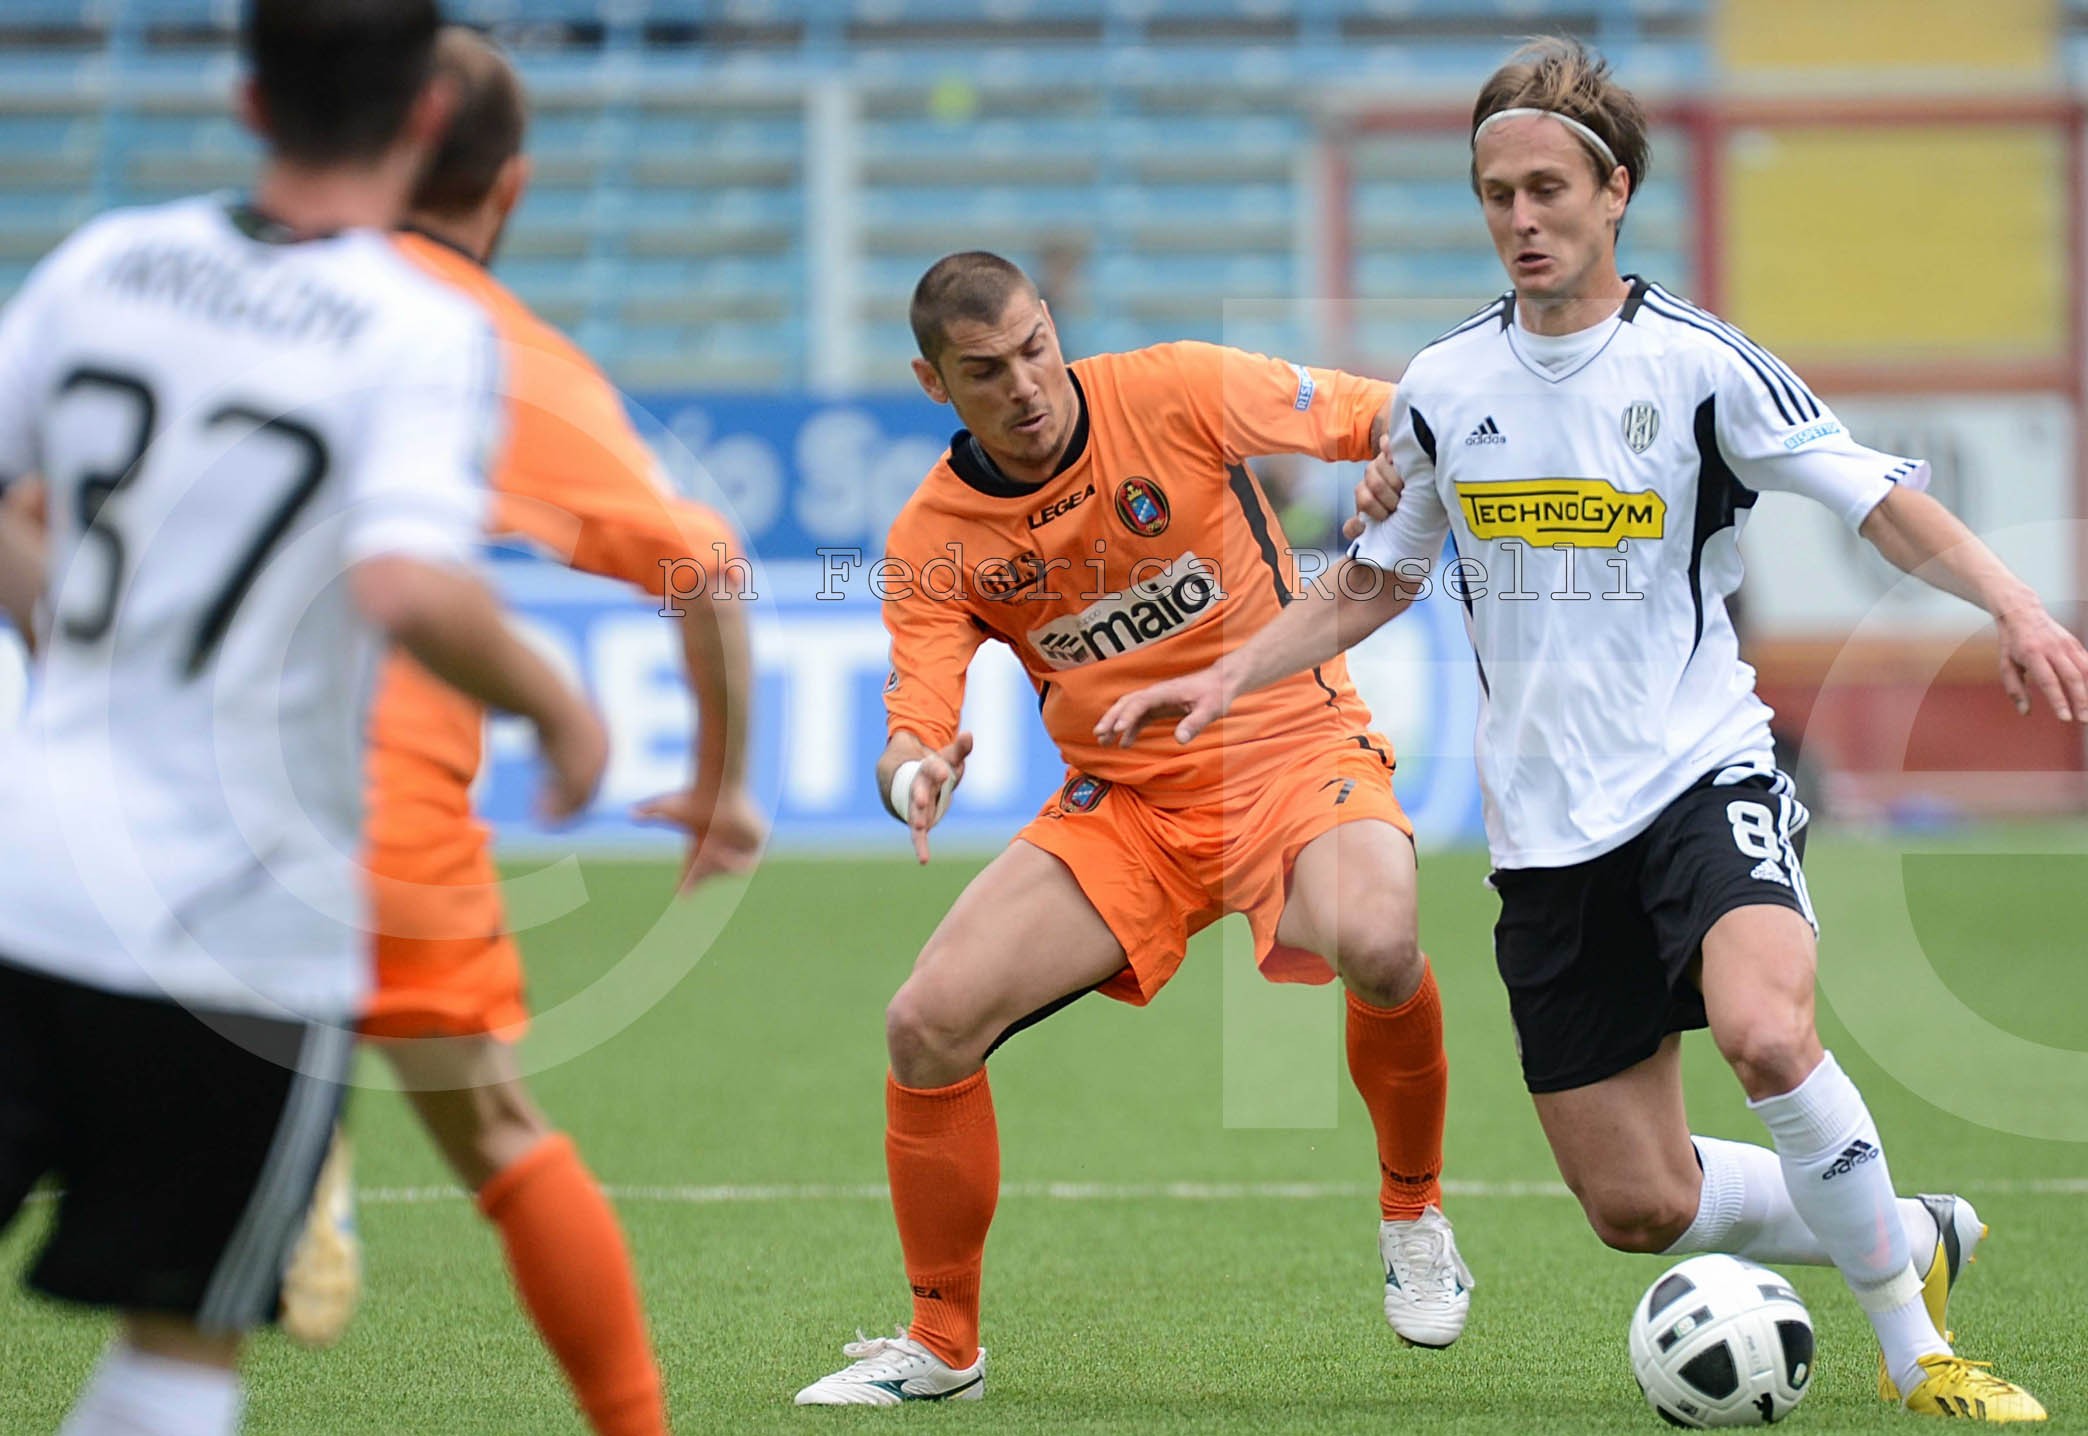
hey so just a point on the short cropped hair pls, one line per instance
(971, 285)
(486, 130)
(1565, 77)
(337, 78)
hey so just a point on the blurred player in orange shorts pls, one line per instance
(1099, 519)
(575, 479)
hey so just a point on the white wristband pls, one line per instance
(900, 798)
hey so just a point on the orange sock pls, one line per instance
(1396, 1060)
(942, 1153)
(567, 1255)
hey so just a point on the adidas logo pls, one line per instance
(1488, 432)
(1853, 1156)
(1766, 871)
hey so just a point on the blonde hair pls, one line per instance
(1563, 76)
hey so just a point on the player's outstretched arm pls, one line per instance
(1314, 628)
(1919, 536)
(725, 825)
(916, 781)
(454, 628)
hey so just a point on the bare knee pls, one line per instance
(931, 1045)
(1381, 961)
(509, 1127)
(1771, 1053)
(471, 1098)
(1638, 1220)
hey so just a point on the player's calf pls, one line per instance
(1629, 1219)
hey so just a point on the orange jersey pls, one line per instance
(1149, 554)
(574, 477)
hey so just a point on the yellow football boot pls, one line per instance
(1957, 1387)
(1959, 1231)
(323, 1282)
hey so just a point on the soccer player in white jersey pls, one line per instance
(262, 436)
(1646, 850)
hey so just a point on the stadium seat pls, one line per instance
(1148, 159)
(53, 15)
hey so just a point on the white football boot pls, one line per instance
(1428, 1288)
(886, 1370)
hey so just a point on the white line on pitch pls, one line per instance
(1117, 1191)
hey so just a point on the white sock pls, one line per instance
(1746, 1211)
(1834, 1171)
(133, 1393)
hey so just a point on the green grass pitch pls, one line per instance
(1113, 1306)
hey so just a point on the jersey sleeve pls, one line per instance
(933, 640)
(576, 477)
(1417, 527)
(1775, 434)
(1255, 405)
(419, 486)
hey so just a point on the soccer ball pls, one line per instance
(1718, 1341)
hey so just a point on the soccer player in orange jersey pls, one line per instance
(1099, 518)
(576, 479)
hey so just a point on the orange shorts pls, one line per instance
(446, 966)
(1160, 875)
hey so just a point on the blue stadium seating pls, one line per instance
(1150, 160)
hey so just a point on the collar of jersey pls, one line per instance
(449, 244)
(264, 228)
(1634, 296)
(969, 461)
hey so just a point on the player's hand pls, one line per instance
(1377, 492)
(726, 830)
(2038, 653)
(942, 765)
(1198, 699)
(575, 749)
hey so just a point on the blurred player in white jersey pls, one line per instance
(262, 435)
(1645, 847)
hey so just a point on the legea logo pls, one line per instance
(1180, 596)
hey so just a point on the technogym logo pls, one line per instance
(1544, 513)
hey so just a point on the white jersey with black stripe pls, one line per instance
(225, 421)
(1594, 491)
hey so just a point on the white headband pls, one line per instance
(1601, 147)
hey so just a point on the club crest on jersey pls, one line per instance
(1641, 426)
(1142, 507)
(1178, 597)
(1082, 793)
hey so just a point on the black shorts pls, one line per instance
(1598, 956)
(184, 1147)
